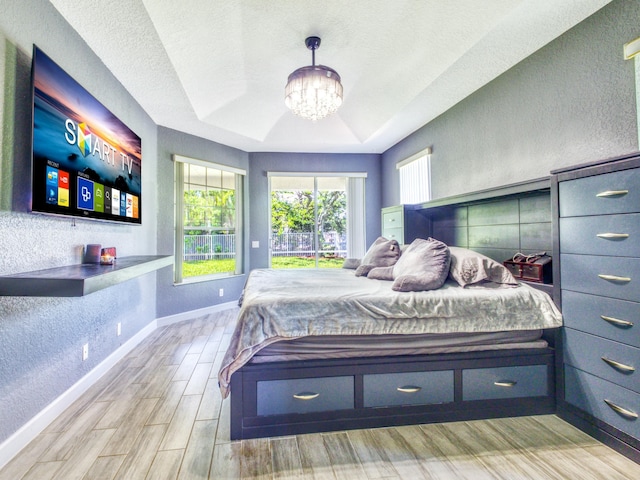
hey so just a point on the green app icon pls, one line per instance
(99, 198)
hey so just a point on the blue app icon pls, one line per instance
(52, 185)
(85, 194)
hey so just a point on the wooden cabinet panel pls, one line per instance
(504, 212)
(604, 358)
(615, 277)
(616, 192)
(410, 388)
(606, 317)
(494, 236)
(612, 235)
(505, 382)
(607, 401)
(535, 209)
(305, 395)
(536, 237)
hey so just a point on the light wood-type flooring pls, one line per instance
(158, 414)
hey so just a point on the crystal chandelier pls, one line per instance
(314, 91)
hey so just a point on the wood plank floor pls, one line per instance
(158, 414)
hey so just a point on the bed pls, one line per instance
(322, 350)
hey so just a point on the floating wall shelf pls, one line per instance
(79, 280)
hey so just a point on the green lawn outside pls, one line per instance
(211, 267)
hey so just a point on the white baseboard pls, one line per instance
(30, 430)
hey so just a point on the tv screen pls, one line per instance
(85, 162)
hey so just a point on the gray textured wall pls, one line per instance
(571, 102)
(261, 163)
(173, 299)
(41, 338)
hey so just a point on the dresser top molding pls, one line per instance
(614, 164)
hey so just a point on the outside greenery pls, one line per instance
(292, 211)
(209, 213)
(211, 267)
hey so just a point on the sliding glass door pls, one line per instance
(309, 220)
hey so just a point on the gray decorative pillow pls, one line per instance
(382, 253)
(351, 263)
(469, 267)
(381, 273)
(424, 265)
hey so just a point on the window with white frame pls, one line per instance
(326, 219)
(208, 220)
(415, 178)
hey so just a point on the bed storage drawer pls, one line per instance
(411, 388)
(505, 382)
(262, 404)
(616, 192)
(615, 277)
(615, 235)
(611, 403)
(305, 395)
(606, 317)
(607, 359)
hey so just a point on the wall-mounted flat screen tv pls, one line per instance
(85, 162)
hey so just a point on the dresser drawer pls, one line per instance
(392, 218)
(611, 403)
(305, 395)
(505, 382)
(616, 192)
(604, 358)
(396, 234)
(410, 388)
(606, 276)
(615, 235)
(606, 317)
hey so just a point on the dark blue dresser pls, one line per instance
(597, 231)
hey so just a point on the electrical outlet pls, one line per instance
(119, 329)
(221, 292)
(255, 244)
(85, 351)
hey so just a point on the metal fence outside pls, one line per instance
(209, 247)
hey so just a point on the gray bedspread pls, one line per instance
(285, 304)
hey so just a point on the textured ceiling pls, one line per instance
(217, 69)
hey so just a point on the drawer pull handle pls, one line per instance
(409, 389)
(616, 321)
(613, 236)
(612, 193)
(505, 383)
(305, 395)
(621, 410)
(618, 365)
(614, 278)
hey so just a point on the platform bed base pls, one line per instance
(286, 398)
